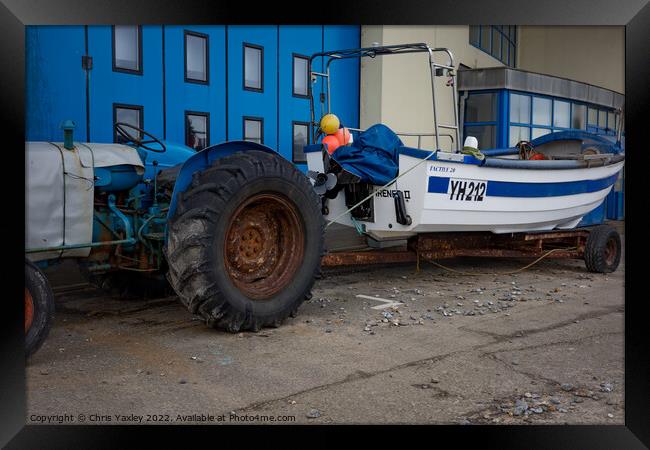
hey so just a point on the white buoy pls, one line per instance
(471, 142)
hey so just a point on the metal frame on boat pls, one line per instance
(436, 69)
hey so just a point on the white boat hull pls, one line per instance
(444, 196)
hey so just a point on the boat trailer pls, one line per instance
(431, 246)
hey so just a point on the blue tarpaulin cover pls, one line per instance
(373, 155)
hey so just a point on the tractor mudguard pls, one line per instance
(204, 159)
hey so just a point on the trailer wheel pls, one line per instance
(39, 307)
(245, 242)
(603, 249)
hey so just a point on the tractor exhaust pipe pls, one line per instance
(68, 127)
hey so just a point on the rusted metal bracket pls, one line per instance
(367, 257)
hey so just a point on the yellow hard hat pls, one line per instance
(329, 124)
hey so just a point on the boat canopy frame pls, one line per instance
(436, 68)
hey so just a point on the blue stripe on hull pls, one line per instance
(440, 185)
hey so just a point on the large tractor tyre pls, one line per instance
(245, 242)
(603, 249)
(39, 307)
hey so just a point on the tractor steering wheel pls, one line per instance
(120, 128)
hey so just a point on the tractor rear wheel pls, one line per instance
(39, 307)
(245, 242)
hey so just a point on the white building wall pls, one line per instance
(396, 90)
(594, 55)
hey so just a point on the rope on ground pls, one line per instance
(494, 273)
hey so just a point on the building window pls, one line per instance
(611, 122)
(541, 111)
(519, 108)
(602, 120)
(196, 57)
(537, 132)
(300, 76)
(499, 41)
(254, 129)
(481, 108)
(592, 117)
(485, 134)
(300, 140)
(578, 116)
(253, 68)
(131, 115)
(197, 129)
(561, 114)
(127, 49)
(481, 118)
(518, 134)
(533, 116)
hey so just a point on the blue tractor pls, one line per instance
(235, 229)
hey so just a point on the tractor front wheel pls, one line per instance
(245, 242)
(39, 307)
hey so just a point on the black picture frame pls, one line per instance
(140, 69)
(634, 15)
(187, 79)
(243, 65)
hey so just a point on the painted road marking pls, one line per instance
(387, 303)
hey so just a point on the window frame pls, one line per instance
(261, 49)
(561, 100)
(116, 106)
(495, 94)
(589, 127)
(584, 114)
(207, 56)
(509, 60)
(207, 126)
(140, 69)
(534, 124)
(253, 119)
(293, 136)
(492, 123)
(293, 75)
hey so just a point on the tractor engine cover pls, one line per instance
(59, 192)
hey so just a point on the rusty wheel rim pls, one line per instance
(610, 251)
(29, 310)
(265, 244)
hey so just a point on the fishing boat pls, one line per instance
(387, 189)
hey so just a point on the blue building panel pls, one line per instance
(109, 87)
(55, 81)
(60, 88)
(245, 103)
(344, 75)
(294, 41)
(182, 96)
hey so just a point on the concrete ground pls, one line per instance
(543, 346)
